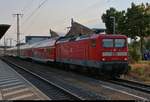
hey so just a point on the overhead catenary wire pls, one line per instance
(39, 6)
(82, 12)
(12, 29)
(44, 1)
(27, 6)
(33, 13)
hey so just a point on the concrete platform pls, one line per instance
(14, 87)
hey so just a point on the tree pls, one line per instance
(147, 45)
(106, 18)
(134, 22)
(134, 52)
(137, 21)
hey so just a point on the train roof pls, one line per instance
(113, 35)
(52, 41)
(48, 42)
(24, 46)
(82, 37)
(12, 48)
(44, 43)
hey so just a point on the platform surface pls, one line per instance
(14, 87)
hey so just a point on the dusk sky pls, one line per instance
(39, 17)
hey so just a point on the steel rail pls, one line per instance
(132, 84)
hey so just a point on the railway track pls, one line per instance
(118, 90)
(132, 84)
(55, 92)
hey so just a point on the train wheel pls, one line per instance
(72, 67)
(89, 71)
(115, 76)
(66, 67)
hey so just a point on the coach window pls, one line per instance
(107, 43)
(93, 42)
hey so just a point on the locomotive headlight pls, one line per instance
(121, 53)
(103, 59)
(107, 54)
(125, 59)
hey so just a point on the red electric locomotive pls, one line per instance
(107, 54)
(104, 53)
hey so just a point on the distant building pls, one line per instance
(53, 33)
(34, 39)
(99, 30)
(77, 28)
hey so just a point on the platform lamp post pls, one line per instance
(114, 22)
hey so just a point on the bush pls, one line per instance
(140, 71)
(129, 68)
(134, 56)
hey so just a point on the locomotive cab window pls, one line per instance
(120, 42)
(107, 43)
